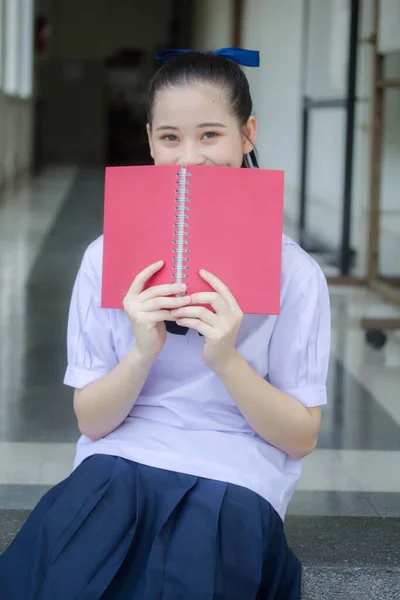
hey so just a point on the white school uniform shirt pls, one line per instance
(184, 419)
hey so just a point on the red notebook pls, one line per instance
(225, 220)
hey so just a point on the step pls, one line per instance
(343, 558)
(347, 558)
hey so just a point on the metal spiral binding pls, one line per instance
(181, 227)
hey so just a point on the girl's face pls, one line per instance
(192, 125)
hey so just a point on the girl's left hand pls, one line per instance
(219, 329)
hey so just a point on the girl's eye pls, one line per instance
(210, 134)
(169, 137)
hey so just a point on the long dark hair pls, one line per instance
(206, 67)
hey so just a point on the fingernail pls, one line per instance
(182, 286)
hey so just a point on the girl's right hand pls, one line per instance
(148, 309)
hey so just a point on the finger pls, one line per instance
(156, 317)
(211, 298)
(162, 315)
(196, 312)
(142, 277)
(203, 328)
(161, 290)
(164, 302)
(219, 287)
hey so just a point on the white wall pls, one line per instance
(15, 138)
(213, 24)
(389, 26)
(15, 126)
(274, 28)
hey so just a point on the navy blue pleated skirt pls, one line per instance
(118, 530)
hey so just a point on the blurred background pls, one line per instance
(73, 80)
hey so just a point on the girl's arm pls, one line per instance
(277, 417)
(104, 404)
(285, 409)
(106, 389)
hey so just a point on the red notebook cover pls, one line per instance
(231, 220)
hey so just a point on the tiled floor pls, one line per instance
(44, 229)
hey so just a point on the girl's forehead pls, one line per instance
(190, 98)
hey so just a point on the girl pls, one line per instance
(191, 444)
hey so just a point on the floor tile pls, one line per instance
(21, 497)
(332, 503)
(35, 463)
(351, 471)
(386, 504)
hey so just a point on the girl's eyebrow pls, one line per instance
(211, 125)
(200, 126)
(163, 127)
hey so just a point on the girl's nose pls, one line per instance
(191, 156)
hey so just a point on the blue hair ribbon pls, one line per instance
(241, 56)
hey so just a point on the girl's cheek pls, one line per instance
(164, 156)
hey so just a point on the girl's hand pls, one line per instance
(147, 310)
(219, 329)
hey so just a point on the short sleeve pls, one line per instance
(300, 342)
(90, 348)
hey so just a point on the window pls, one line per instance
(26, 48)
(10, 84)
(18, 47)
(1, 42)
